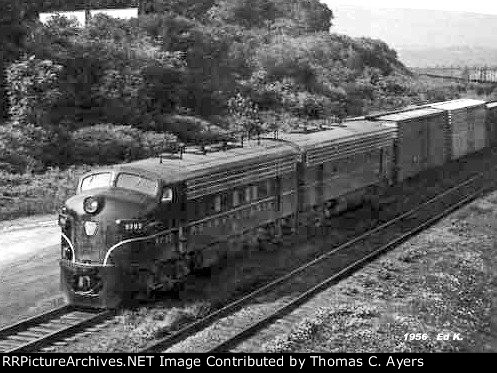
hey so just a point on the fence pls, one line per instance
(481, 74)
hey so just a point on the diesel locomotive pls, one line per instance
(137, 228)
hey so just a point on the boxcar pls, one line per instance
(465, 125)
(421, 140)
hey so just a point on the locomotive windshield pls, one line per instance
(100, 180)
(137, 183)
(124, 180)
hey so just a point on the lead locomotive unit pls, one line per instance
(141, 227)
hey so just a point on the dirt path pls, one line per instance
(29, 275)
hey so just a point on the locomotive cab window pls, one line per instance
(167, 195)
(137, 183)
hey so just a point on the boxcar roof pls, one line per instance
(348, 130)
(457, 104)
(411, 114)
(492, 105)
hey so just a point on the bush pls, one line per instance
(188, 129)
(108, 144)
(21, 146)
(27, 194)
(32, 89)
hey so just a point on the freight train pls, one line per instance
(134, 229)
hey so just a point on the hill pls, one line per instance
(456, 56)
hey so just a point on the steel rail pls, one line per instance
(43, 330)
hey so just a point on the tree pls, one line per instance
(245, 115)
(193, 9)
(33, 90)
(12, 35)
(246, 13)
(31, 137)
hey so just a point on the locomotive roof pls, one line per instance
(492, 105)
(457, 104)
(192, 165)
(411, 114)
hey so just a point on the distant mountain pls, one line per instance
(425, 37)
(456, 56)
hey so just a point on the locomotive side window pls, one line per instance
(100, 180)
(247, 194)
(167, 195)
(217, 204)
(255, 194)
(137, 183)
(270, 187)
(236, 199)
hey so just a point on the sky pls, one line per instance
(474, 6)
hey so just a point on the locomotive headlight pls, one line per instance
(91, 205)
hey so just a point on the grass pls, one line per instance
(440, 282)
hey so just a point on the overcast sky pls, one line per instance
(475, 6)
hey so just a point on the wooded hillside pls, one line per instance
(185, 70)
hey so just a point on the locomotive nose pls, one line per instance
(110, 204)
(91, 223)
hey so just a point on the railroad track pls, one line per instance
(48, 328)
(225, 329)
